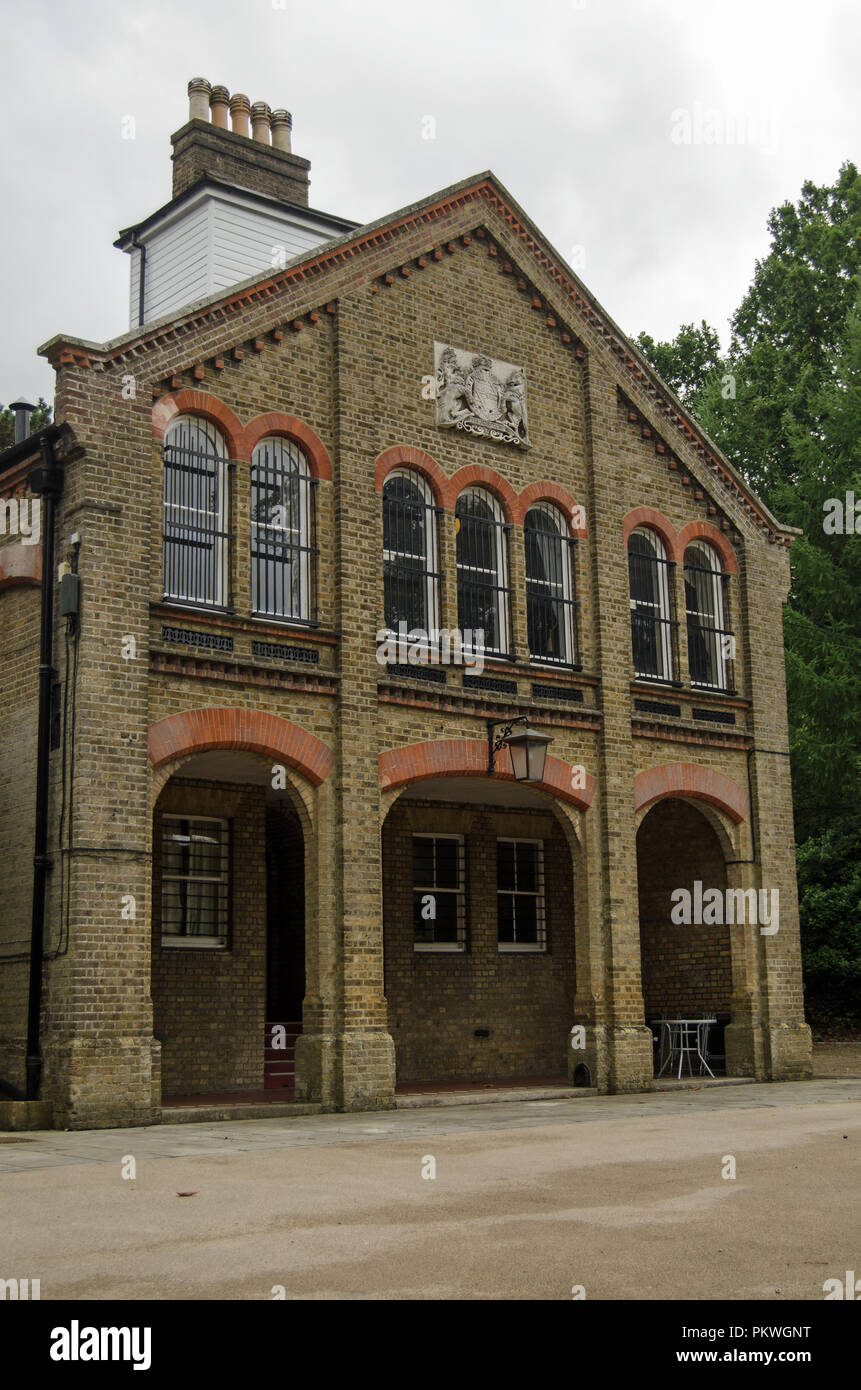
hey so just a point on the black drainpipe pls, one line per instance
(46, 481)
(139, 246)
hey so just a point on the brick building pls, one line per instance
(257, 809)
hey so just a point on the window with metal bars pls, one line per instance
(439, 893)
(711, 645)
(551, 601)
(283, 532)
(411, 577)
(196, 514)
(654, 631)
(483, 595)
(520, 895)
(195, 889)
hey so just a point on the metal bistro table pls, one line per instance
(685, 1037)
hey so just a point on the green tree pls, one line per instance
(792, 425)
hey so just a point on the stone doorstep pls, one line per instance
(265, 1110)
(492, 1096)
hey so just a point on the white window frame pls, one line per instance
(500, 585)
(567, 586)
(538, 947)
(662, 609)
(431, 576)
(184, 941)
(706, 552)
(450, 947)
(214, 439)
(301, 538)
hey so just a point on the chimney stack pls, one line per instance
(255, 153)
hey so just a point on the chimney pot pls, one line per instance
(22, 410)
(220, 104)
(280, 123)
(199, 93)
(260, 117)
(240, 110)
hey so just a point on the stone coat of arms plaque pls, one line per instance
(480, 395)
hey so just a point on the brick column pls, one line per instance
(98, 1034)
(365, 1050)
(783, 1036)
(619, 1019)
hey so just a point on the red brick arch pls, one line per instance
(405, 456)
(550, 492)
(689, 779)
(704, 531)
(467, 757)
(200, 403)
(654, 521)
(479, 475)
(288, 426)
(248, 731)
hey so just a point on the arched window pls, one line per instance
(550, 594)
(196, 513)
(483, 599)
(283, 554)
(653, 629)
(410, 574)
(710, 643)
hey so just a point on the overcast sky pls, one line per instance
(648, 139)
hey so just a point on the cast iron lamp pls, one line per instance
(527, 747)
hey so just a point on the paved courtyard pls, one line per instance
(624, 1196)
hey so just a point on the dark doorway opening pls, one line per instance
(285, 943)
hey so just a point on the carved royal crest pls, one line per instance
(480, 395)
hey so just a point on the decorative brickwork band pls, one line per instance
(688, 779)
(288, 426)
(248, 731)
(467, 757)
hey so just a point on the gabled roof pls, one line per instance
(586, 314)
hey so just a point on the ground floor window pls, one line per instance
(520, 895)
(195, 894)
(439, 897)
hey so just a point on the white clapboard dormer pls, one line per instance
(239, 207)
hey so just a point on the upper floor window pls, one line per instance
(483, 596)
(710, 643)
(653, 629)
(283, 553)
(410, 575)
(196, 520)
(550, 592)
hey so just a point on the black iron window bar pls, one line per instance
(197, 517)
(711, 648)
(195, 880)
(654, 627)
(521, 923)
(439, 892)
(284, 550)
(551, 598)
(412, 578)
(483, 594)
